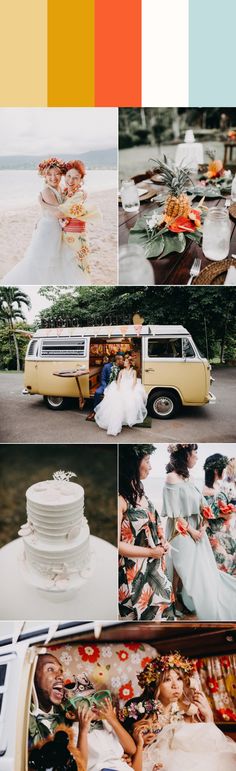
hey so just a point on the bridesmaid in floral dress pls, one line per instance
(220, 513)
(144, 590)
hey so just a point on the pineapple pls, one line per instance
(176, 179)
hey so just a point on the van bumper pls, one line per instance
(211, 398)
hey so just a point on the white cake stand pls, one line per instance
(95, 600)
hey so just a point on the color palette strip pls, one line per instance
(23, 53)
(117, 53)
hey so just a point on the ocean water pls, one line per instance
(19, 189)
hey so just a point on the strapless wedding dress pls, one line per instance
(122, 405)
(191, 747)
(48, 260)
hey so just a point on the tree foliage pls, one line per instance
(207, 312)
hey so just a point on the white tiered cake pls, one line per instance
(56, 535)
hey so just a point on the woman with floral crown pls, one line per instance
(221, 514)
(144, 590)
(49, 259)
(210, 593)
(172, 722)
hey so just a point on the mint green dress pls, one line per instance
(207, 590)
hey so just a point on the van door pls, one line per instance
(172, 361)
(31, 367)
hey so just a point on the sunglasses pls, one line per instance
(88, 701)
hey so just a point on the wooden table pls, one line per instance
(174, 268)
(77, 374)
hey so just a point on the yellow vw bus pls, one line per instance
(62, 363)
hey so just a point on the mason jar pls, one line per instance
(134, 268)
(129, 196)
(216, 234)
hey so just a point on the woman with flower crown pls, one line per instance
(144, 589)
(172, 722)
(49, 258)
(220, 514)
(210, 593)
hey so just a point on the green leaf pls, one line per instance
(174, 243)
(155, 247)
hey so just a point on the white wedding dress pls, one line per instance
(124, 404)
(191, 747)
(48, 260)
(206, 589)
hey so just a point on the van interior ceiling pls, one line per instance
(191, 639)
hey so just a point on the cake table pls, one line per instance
(95, 599)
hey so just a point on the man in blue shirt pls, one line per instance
(109, 372)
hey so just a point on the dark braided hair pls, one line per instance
(216, 462)
(178, 462)
(130, 457)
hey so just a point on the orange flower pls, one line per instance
(145, 596)
(225, 509)
(123, 593)
(186, 224)
(213, 685)
(126, 532)
(208, 513)
(181, 526)
(131, 573)
(215, 169)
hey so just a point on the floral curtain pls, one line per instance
(115, 667)
(218, 679)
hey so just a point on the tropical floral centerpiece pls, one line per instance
(167, 232)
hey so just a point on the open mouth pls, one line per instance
(57, 691)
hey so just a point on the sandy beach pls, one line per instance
(17, 225)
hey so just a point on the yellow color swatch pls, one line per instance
(71, 53)
(23, 53)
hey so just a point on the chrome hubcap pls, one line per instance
(163, 405)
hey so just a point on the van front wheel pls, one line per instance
(163, 405)
(54, 402)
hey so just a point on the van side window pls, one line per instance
(64, 348)
(3, 669)
(188, 351)
(32, 348)
(165, 348)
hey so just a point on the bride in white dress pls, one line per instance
(176, 730)
(207, 591)
(48, 259)
(124, 402)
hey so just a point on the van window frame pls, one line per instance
(35, 354)
(181, 337)
(5, 659)
(58, 357)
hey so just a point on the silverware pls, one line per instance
(194, 270)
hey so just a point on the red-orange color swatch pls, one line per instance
(118, 46)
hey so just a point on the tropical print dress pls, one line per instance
(145, 592)
(219, 531)
(77, 213)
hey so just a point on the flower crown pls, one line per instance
(143, 449)
(45, 165)
(176, 447)
(163, 664)
(219, 464)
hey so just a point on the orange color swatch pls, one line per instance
(118, 53)
(71, 53)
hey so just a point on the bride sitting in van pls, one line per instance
(124, 402)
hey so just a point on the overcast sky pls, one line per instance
(44, 130)
(160, 458)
